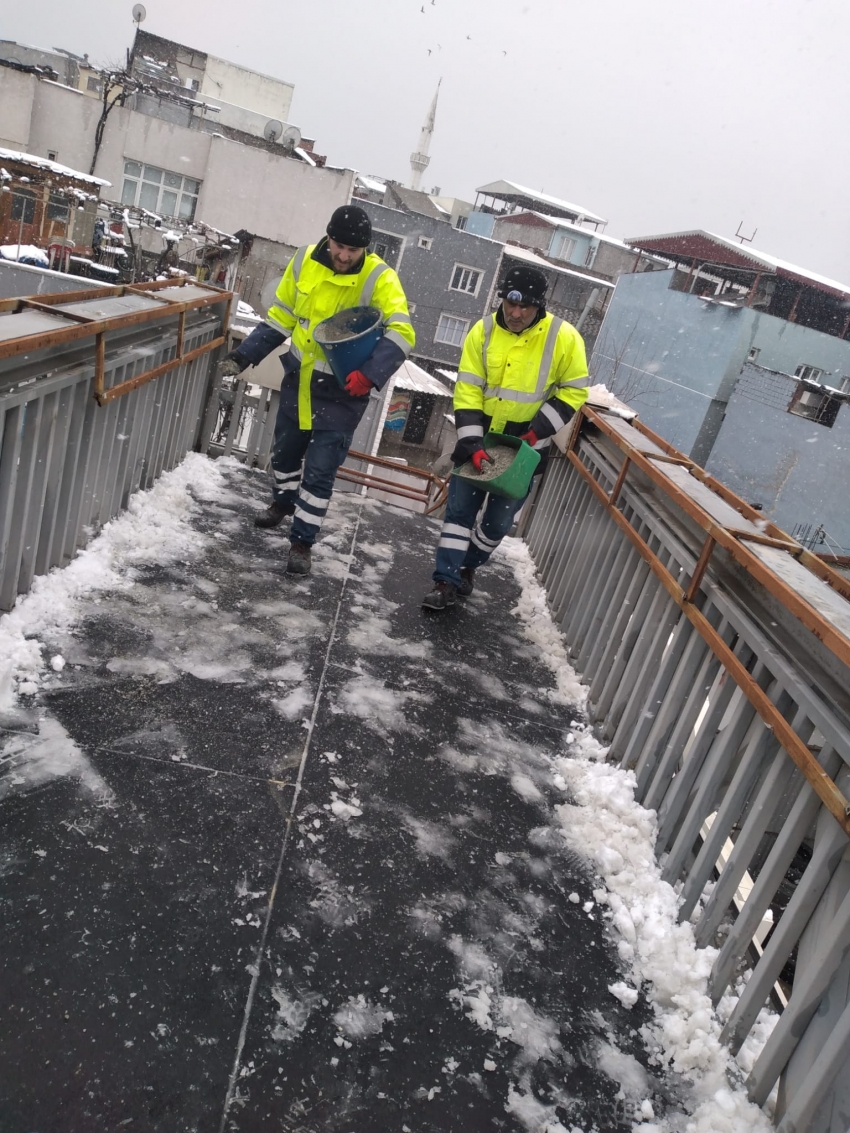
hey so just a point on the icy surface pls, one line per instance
(583, 809)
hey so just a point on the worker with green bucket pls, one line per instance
(350, 328)
(522, 376)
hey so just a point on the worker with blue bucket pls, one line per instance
(346, 315)
(522, 376)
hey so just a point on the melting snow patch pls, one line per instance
(359, 1018)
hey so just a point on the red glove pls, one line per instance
(357, 384)
(530, 437)
(479, 457)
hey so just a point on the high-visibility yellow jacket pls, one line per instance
(310, 292)
(510, 383)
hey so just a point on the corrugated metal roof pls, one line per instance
(511, 191)
(412, 377)
(518, 253)
(707, 247)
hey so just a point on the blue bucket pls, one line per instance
(348, 338)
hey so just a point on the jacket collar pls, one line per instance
(322, 256)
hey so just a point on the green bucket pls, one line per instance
(512, 481)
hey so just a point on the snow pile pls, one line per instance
(24, 254)
(618, 835)
(533, 612)
(153, 529)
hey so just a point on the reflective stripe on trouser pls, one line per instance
(467, 538)
(304, 464)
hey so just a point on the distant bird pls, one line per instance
(469, 37)
(428, 50)
(504, 52)
(422, 10)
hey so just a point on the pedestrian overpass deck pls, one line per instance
(285, 854)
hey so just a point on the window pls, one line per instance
(465, 279)
(23, 206)
(57, 208)
(51, 154)
(810, 373)
(159, 191)
(388, 247)
(815, 404)
(460, 223)
(94, 83)
(562, 247)
(753, 354)
(451, 330)
(845, 385)
(424, 242)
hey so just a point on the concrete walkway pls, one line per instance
(280, 855)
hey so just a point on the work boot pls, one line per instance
(467, 582)
(299, 558)
(274, 514)
(441, 596)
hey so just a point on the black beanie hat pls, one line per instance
(350, 225)
(528, 283)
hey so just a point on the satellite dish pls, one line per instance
(291, 137)
(139, 13)
(273, 130)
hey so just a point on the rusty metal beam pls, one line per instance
(807, 615)
(44, 340)
(821, 783)
(103, 396)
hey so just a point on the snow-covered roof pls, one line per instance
(560, 222)
(696, 236)
(371, 183)
(412, 377)
(51, 166)
(449, 375)
(508, 190)
(518, 253)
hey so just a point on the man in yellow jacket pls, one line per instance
(317, 417)
(522, 372)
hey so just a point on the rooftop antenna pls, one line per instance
(747, 239)
(273, 130)
(139, 13)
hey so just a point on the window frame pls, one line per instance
(58, 207)
(144, 182)
(459, 267)
(21, 199)
(425, 243)
(808, 373)
(454, 319)
(563, 237)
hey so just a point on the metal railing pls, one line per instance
(100, 393)
(241, 424)
(717, 654)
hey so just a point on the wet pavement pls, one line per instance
(281, 854)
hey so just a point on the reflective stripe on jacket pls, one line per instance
(509, 378)
(310, 292)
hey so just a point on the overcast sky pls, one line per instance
(660, 115)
